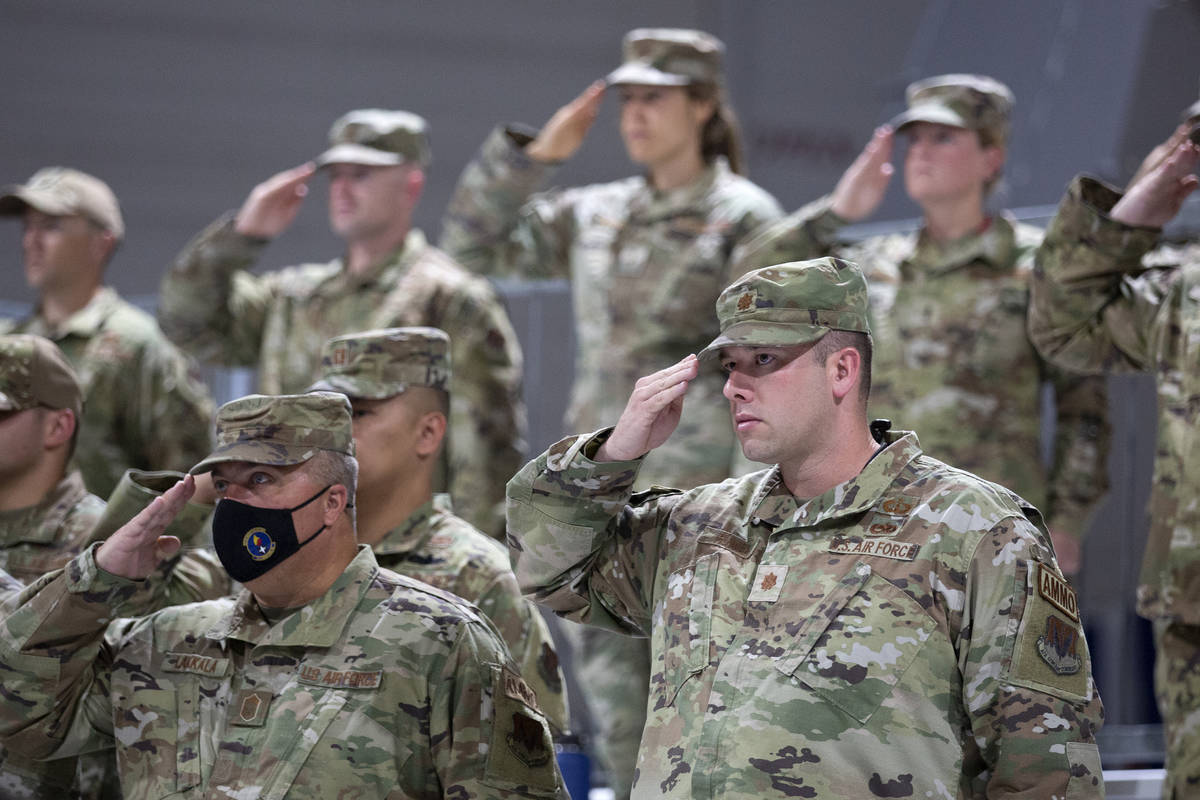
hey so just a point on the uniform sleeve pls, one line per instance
(210, 305)
(495, 225)
(579, 543)
(1093, 307)
(1028, 692)
(528, 639)
(56, 658)
(810, 232)
(1078, 478)
(487, 413)
(489, 740)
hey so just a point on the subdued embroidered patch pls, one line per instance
(251, 707)
(882, 548)
(1050, 653)
(768, 583)
(339, 678)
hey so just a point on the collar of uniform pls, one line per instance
(410, 534)
(85, 322)
(648, 205)
(42, 523)
(318, 624)
(387, 271)
(774, 505)
(993, 246)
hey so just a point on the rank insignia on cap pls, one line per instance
(1056, 646)
(340, 355)
(746, 301)
(259, 544)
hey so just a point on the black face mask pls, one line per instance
(252, 540)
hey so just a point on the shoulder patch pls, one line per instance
(521, 752)
(1050, 654)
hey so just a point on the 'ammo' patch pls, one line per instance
(1057, 592)
(516, 688)
(1057, 646)
(768, 583)
(195, 664)
(882, 548)
(339, 678)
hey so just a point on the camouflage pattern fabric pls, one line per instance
(1177, 690)
(44, 537)
(438, 548)
(383, 687)
(953, 360)
(145, 406)
(1105, 298)
(376, 365)
(905, 634)
(645, 268)
(278, 322)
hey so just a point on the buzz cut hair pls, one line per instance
(837, 340)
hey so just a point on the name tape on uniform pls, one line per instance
(195, 664)
(339, 678)
(883, 548)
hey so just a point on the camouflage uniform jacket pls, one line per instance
(383, 687)
(43, 537)
(905, 634)
(435, 546)
(144, 403)
(279, 321)
(953, 360)
(1103, 302)
(645, 269)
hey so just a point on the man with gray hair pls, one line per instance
(324, 674)
(388, 275)
(146, 406)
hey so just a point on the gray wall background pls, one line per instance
(183, 107)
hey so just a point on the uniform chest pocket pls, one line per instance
(856, 649)
(145, 726)
(687, 623)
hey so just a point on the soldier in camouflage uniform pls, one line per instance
(398, 382)
(646, 257)
(47, 517)
(1106, 299)
(214, 307)
(949, 304)
(145, 407)
(858, 620)
(326, 676)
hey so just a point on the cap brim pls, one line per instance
(646, 75)
(255, 452)
(15, 198)
(928, 113)
(355, 389)
(358, 154)
(764, 334)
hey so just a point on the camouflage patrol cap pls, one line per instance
(669, 57)
(61, 191)
(379, 364)
(793, 303)
(280, 429)
(974, 102)
(35, 373)
(377, 137)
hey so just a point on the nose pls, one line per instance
(235, 491)
(736, 387)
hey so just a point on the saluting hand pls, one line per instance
(862, 186)
(652, 413)
(274, 203)
(561, 137)
(1160, 153)
(1159, 194)
(136, 548)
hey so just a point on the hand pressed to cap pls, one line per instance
(1158, 195)
(562, 136)
(861, 188)
(136, 548)
(652, 413)
(273, 204)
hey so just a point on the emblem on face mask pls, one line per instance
(259, 544)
